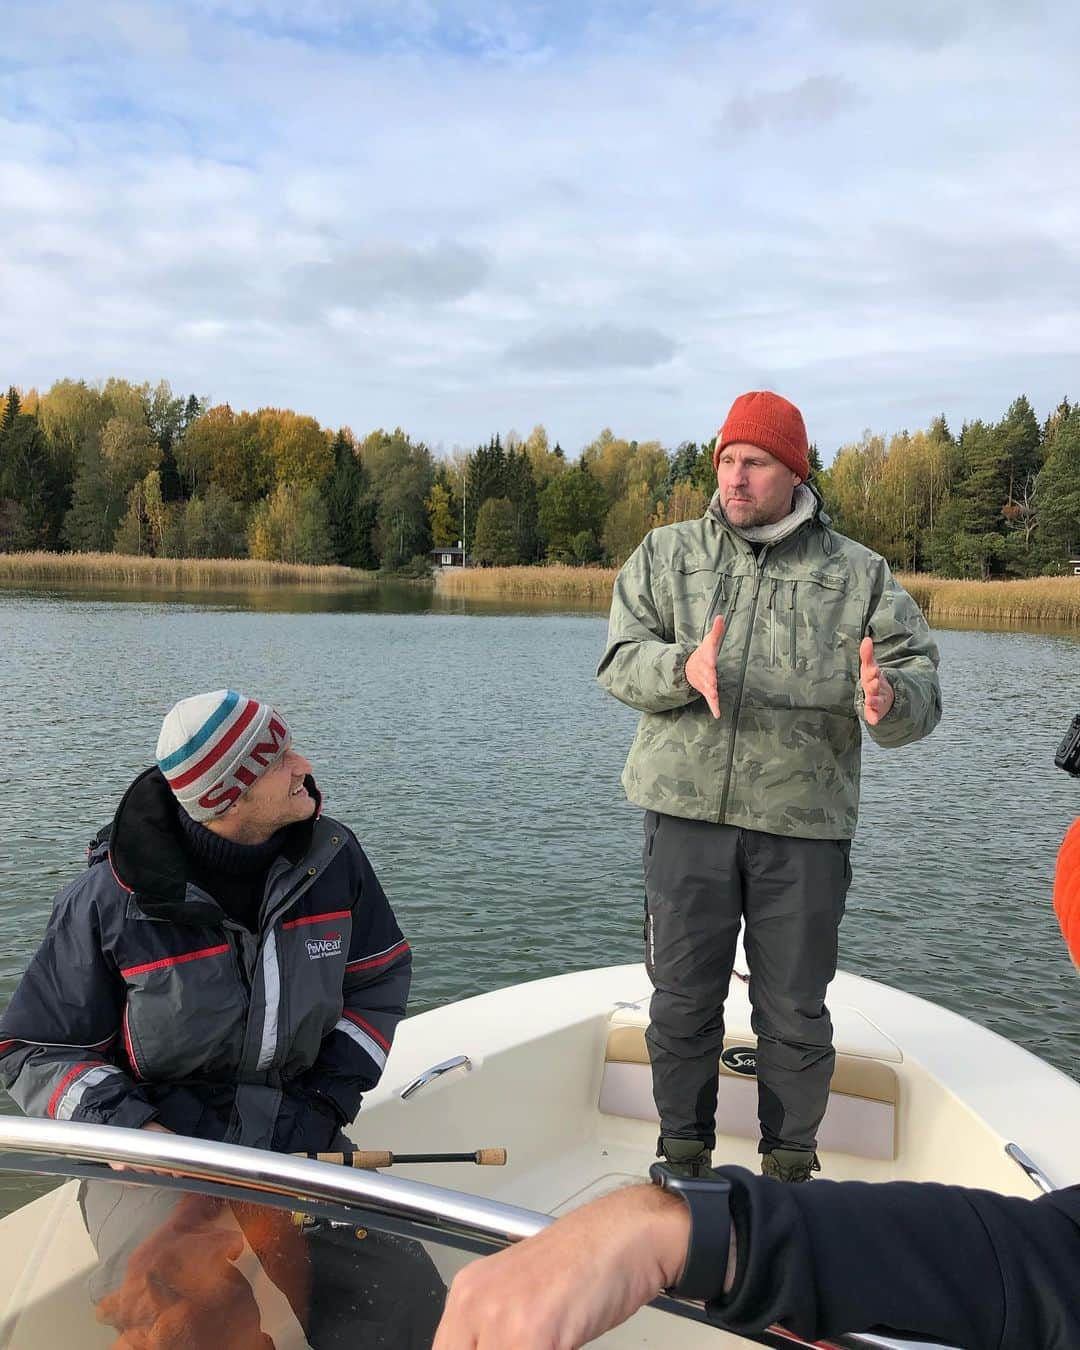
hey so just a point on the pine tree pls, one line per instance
(486, 477)
(522, 493)
(29, 478)
(12, 408)
(496, 533)
(1021, 448)
(350, 516)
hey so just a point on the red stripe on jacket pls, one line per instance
(176, 960)
(318, 918)
(128, 1045)
(372, 962)
(54, 1100)
(366, 1026)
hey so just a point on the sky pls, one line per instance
(469, 218)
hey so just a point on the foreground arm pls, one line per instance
(61, 1042)
(964, 1267)
(587, 1273)
(375, 990)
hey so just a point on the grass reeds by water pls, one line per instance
(554, 581)
(1033, 601)
(208, 574)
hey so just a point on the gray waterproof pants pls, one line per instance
(701, 881)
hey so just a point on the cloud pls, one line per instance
(924, 25)
(381, 273)
(592, 348)
(456, 215)
(816, 99)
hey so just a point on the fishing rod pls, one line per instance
(372, 1158)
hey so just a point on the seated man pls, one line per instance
(228, 966)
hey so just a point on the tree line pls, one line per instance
(138, 469)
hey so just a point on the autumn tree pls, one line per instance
(401, 474)
(545, 461)
(291, 525)
(626, 524)
(441, 522)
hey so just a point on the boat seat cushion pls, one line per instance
(860, 1118)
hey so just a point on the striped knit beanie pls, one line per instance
(214, 746)
(1067, 890)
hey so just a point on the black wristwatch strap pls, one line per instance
(710, 1230)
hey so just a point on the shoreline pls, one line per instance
(117, 570)
(1034, 601)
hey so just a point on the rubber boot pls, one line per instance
(687, 1157)
(792, 1165)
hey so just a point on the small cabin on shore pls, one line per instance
(450, 555)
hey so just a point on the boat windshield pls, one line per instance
(220, 1247)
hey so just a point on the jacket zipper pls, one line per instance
(794, 625)
(718, 594)
(271, 919)
(772, 623)
(235, 941)
(742, 682)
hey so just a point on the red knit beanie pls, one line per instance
(1067, 890)
(771, 423)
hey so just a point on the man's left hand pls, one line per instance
(879, 692)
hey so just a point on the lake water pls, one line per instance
(478, 761)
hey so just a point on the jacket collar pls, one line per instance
(147, 855)
(809, 510)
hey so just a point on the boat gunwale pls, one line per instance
(426, 1207)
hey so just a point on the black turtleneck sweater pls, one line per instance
(234, 874)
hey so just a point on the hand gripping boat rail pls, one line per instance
(420, 1209)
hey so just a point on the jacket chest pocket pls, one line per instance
(185, 1016)
(313, 951)
(807, 626)
(701, 590)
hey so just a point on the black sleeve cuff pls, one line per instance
(707, 1199)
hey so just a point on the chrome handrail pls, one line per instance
(1032, 1168)
(434, 1208)
(436, 1071)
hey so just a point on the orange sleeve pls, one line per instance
(1067, 889)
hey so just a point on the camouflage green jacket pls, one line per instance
(784, 755)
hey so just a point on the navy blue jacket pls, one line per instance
(960, 1266)
(146, 1001)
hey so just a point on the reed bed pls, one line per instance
(554, 580)
(118, 569)
(1036, 600)
(1033, 600)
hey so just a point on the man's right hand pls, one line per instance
(572, 1282)
(701, 666)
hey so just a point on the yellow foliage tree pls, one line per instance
(441, 517)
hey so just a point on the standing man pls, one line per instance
(757, 642)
